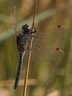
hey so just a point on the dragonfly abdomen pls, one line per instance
(18, 71)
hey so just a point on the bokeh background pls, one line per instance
(51, 60)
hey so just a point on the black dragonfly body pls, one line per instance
(22, 40)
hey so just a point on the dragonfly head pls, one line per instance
(26, 29)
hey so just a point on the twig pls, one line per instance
(29, 57)
(15, 25)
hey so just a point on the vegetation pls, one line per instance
(51, 62)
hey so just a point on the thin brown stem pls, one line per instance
(27, 72)
(35, 7)
(29, 57)
(10, 83)
(15, 24)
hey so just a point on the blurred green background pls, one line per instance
(51, 63)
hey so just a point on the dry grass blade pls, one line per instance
(10, 83)
(15, 25)
(29, 57)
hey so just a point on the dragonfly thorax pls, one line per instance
(26, 29)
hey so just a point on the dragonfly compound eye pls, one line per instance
(26, 28)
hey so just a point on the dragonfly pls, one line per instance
(22, 41)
